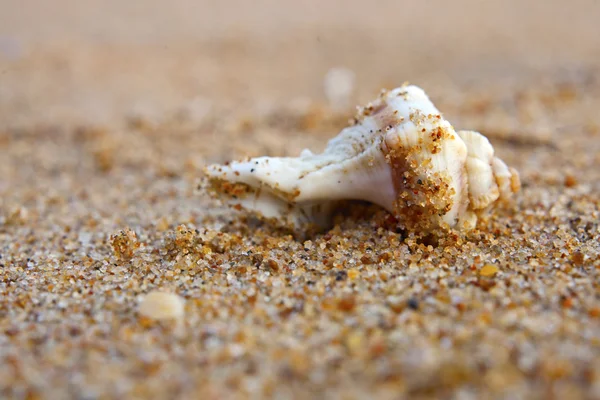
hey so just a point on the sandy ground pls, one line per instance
(110, 109)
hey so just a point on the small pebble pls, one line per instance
(162, 305)
(353, 274)
(570, 181)
(339, 85)
(413, 303)
(488, 270)
(341, 276)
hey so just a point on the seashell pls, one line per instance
(400, 153)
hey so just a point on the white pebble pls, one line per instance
(338, 86)
(162, 305)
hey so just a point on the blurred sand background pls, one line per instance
(89, 60)
(110, 109)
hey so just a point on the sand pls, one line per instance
(108, 113)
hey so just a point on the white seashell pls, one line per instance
(483, 189)
(400, 154)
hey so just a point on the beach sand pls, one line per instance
(109, 111)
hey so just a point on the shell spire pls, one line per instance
(400, 154)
